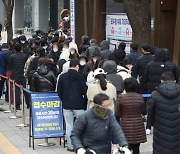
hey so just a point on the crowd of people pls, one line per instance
(99, 88)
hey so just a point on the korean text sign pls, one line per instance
(118, 27)
(47, 115)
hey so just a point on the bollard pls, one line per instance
(9, 91)
(23, 109)
(46, 144)
(14, 99)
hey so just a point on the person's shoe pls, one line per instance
(148, 131)
(70, 150)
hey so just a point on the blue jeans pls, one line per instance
(69, 120)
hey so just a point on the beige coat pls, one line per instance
(95, 89)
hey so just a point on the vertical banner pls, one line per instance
(47, 117)
(72, 19)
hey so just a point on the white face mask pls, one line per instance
(82, 63)
(23, 42)
(55, 49)
(44, 47)
(94, 60)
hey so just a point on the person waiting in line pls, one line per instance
(84, 45)
(129, 110)
(96, 56)
(71, 89)
(92, 130)
(43, 80)
(164, 114)
(134, 54)
(101, 85)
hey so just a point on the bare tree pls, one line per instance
(9, 6)
(138, 12)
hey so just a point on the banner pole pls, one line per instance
(23, 109)
(46, 144)
(9, 93)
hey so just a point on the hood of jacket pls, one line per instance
(104, 45)
(120, 68)
(110, 67)
(169, 89)
(73, 46)
(159, 55)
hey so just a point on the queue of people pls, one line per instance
(100, 90)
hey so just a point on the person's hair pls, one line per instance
(41, 52)
(93, 41)
(102, 79)
(122, 46)
(131, 85)
(17, 47)
(74, 63)
(126, 61)
(134, 46)
(74, 56)
(60, 63)
(85, 39)
(146, 47)
(99, 98)
(11, 45)
(167, 76)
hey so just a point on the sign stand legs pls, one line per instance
(46, 144)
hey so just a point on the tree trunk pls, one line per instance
(9, 29)
(9, 6)
(138, 12)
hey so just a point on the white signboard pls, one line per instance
(72, 19)
(118, 27)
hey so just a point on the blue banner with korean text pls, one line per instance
(47, 117)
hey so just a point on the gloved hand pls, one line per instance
(125, 150)
(81, 151)
(90, 151)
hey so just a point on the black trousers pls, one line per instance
(134, 148)
(22, 81)
(2, 80)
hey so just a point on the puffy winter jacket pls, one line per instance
(164, 113)
(129, 108)
(43, 80)
(92, 132)
(154, 70)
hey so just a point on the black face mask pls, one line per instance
(101, 112)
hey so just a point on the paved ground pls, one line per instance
(15, 138)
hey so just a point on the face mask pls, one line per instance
(55, 49)
(100, 111)
(44, 47)
(72, 52)
(94, 60)
(82, 63)
(23, 42)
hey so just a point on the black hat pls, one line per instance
(83, 55)
(96, 53)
